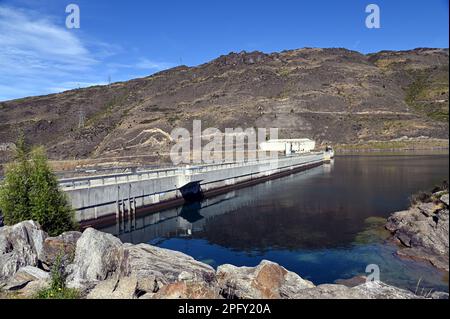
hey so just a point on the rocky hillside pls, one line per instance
(330, 95)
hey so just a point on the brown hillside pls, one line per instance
(330, 95)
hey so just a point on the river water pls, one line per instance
(324, 224)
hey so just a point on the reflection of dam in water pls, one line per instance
(190, 218)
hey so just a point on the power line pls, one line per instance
(81, 117)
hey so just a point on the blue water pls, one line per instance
(324, 224)
(321, 266)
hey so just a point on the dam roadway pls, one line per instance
(106, 199)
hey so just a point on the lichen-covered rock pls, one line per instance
(187, 290)
(428, 209)
(97, 257)
(369, 290)
(444, 199)
(29, 273)
(20, 246)
(352, 282)
(156, 267)
(24, 276)
(115, 288)
(266, 281)
(62, 246)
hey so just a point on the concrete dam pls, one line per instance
(184, 221)
(105, 199)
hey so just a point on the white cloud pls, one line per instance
(29, 43)
(38, 55)
(146, 64)
(143, 64)
(70, 85)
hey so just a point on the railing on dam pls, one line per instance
(100, 180)
(97, 196)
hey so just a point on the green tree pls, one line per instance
(49, 205)
(30, 192)
(14, 191)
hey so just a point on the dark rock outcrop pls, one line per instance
(423, 231)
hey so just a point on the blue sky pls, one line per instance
(122, 40)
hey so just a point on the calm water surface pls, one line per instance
(324, 224)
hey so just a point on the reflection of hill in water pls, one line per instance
(277, 229)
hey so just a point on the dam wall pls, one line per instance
(120, 195)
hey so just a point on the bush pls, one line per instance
(441, 188)
(62, 293)
(14, 199)
(30, 192)
(58, 289)
(421, 197)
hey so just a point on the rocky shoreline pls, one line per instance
(422, 231)
(99, 265)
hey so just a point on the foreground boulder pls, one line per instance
(423, 232)
(20, 245)
(28, 281)
(369, 290)
(156, 267)
(103, 267)
(266, 281)
(97, 257)
(62, 246)
(30, 273)
(186, 290)
(115, 288)
(157, 273)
